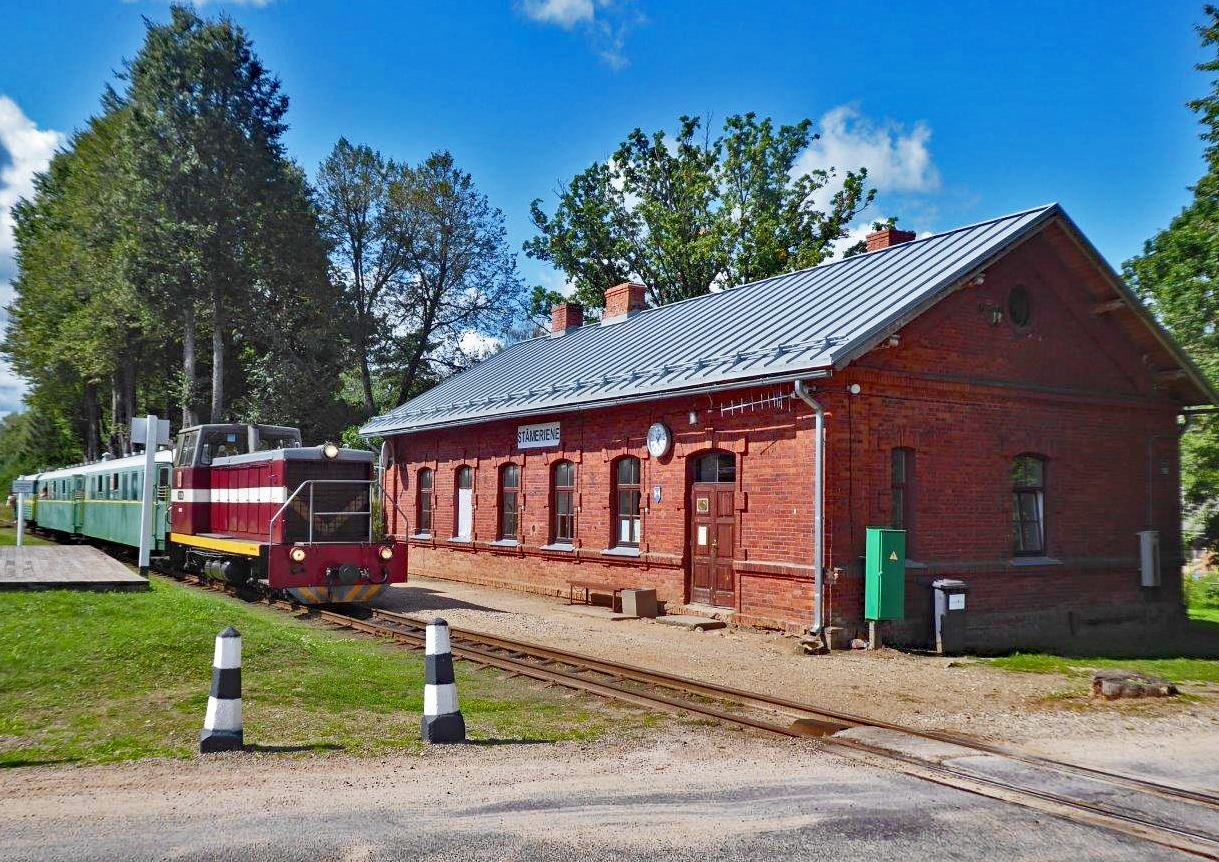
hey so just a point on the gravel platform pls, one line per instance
(1046, 712)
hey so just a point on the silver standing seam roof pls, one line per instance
(798, 324)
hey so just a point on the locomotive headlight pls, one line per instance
(297, 555)
(386, 552)
(330, 450)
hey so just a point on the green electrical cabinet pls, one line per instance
(884, 595)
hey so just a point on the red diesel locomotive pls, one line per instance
(249, 503)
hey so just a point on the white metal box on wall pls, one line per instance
(1149, 558)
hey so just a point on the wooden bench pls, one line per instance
(591, 587)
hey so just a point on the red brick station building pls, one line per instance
(997, 391)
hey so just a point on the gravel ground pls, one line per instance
(926, 692)
(688, 792)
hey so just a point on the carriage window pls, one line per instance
(423, 514)
(563, 485)
(509, 490)
(1028, 510)
(626, 502)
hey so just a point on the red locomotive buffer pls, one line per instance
(250, 503)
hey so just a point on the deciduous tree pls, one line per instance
(365, 231)
(1177, 274)
(460, 291)
(687, 214)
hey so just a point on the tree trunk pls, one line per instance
(420, 348)
(188, 367)
(123, 407)
(217, 356)
(370, 405)
(93, 436)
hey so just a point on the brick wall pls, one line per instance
(772, 499)
(963, 387)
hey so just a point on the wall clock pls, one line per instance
(660, 439)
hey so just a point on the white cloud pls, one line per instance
(564, 13)
(24, 151)
(478, 346)
(898, 159)
(553, 279)
(605, 23)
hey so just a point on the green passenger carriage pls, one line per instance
(101, 500)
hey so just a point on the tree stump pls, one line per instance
(1114, 684)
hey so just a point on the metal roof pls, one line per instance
(790, 325)
(112, 465)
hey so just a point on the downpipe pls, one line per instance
(802, 392)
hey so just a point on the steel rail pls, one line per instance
(1063, 807)
(802, 710)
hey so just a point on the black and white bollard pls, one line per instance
(442, 720)
(222, 725)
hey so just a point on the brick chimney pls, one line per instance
(888, 237)
(566, 316)
(623, 301)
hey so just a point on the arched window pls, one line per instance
(715, 467)
(563, 502)
(626, 502)
(1028, 498)
(423, 503)
(509, 499)
(463, 509)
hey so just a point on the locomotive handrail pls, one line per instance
(312, 514)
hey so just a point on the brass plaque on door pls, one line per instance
(702, 505)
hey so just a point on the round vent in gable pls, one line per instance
(1020, 306)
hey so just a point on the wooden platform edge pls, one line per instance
(76, 586)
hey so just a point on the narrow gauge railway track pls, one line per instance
(642, 688)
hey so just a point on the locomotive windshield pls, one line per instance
(200, 445)
(220, 443)
(278, 438)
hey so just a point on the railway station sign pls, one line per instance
(22, 486)
(537, 436)
(139, 431)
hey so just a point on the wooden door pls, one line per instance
(712, 580)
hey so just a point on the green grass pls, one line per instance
(1204, 615)
(96, 677)
(1202, 596)
(8, 535)
(1202, 603)
(1172, 669)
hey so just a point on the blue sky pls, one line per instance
(962, 111)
